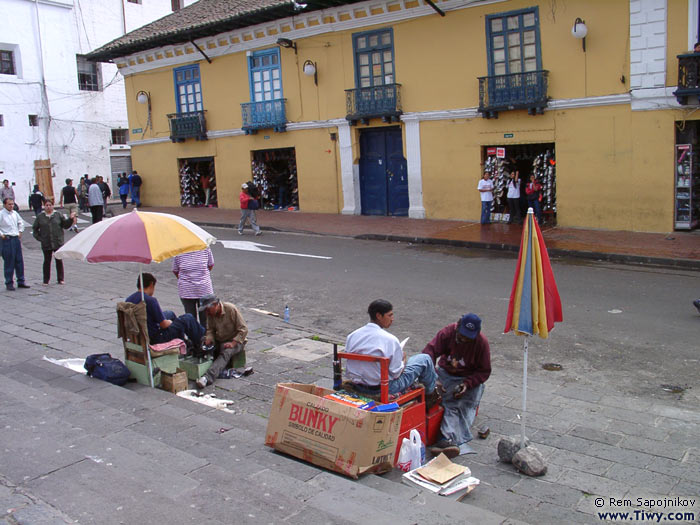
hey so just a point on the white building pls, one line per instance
(61, 116)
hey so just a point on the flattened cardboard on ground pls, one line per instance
(330, 434)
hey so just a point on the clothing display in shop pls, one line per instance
(275, 175)
(197, 184)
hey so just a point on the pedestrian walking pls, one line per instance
(124, 188)
(83, 193)
(485, 188)
(11, 228)
(48, 230)
(135, 183)
(248, 207)
(193, 272)
(95, 201)
(106, 192)
(8, 192)
(534, 196)
(69, 201)
(36, 200)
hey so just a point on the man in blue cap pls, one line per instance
(463, 366)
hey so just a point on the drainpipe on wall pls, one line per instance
(44, 93)
(123, 17)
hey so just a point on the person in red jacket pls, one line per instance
(248, 207)
(463, 365)
(533, 192)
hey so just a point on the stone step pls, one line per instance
(87, 447)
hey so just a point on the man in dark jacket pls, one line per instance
(463, 365)
(48, 230)
(36, 200)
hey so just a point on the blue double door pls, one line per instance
(383, 177)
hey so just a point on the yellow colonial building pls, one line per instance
(397, 107)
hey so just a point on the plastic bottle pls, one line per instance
(286, 314)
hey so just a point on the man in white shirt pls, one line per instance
(373, 339)
(96, 201)
(11, 228)
(485, 188)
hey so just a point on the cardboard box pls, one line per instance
(329, 434)
(174, 383)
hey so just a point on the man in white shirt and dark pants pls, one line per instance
(485, 188)
(373, 339)
(11, 228)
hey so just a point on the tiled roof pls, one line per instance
(206, 18)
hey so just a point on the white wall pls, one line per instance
(74, 126)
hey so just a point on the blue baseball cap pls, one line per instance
(469, 326)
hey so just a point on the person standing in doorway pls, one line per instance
(95, 201)
(533, 191)
(485, 188)
(135, 184)
(69, 201)
(124, 189)
(206, 187)
(514, 198)
(48, 230)
(11, 228)
(248, 207)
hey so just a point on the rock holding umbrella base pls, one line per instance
(527, 460)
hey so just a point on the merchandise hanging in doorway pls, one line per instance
(525, 160)
(275, 175)
(197, 182)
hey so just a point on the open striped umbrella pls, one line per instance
(143, 237)
(534, 300)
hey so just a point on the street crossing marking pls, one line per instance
(249, 246)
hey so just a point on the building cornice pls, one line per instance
(347, 17)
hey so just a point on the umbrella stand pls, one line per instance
(148, 347)
(522, 417)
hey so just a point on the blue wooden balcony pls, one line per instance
(187, 125)
(514, 91)
(688, 77)
(269, 114)
(383, 102)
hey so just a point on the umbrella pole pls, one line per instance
(148, 346)
(522, 418)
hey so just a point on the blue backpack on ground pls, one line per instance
(107, 368)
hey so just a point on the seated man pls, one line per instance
(227, 330)
(373, 339)
(164, 326)
(464, 364)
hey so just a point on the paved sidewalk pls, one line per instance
(678, 249)
(77, 449)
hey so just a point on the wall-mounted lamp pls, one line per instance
(580, 31)
(311, 70)
(143, 97)
(285, 42)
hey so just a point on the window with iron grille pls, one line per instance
(177, 4)
(374, 58)
(88, 75)
(2, 120)
(188, 89)
(120, 136)
(513, 42)
(134, 1)
(265, 76)
(7, 62)
(33, 120)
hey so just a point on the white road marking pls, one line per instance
(249, 246)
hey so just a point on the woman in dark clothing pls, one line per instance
(48, 230)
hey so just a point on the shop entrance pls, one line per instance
(275, 175)
(527, 160)
(383, 177)
(197, 182)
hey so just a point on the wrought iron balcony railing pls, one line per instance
(373, 102)
(264, 115)
(514, 91)
(187, 125)
(688, 77)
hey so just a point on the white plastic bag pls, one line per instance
(410, 452)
